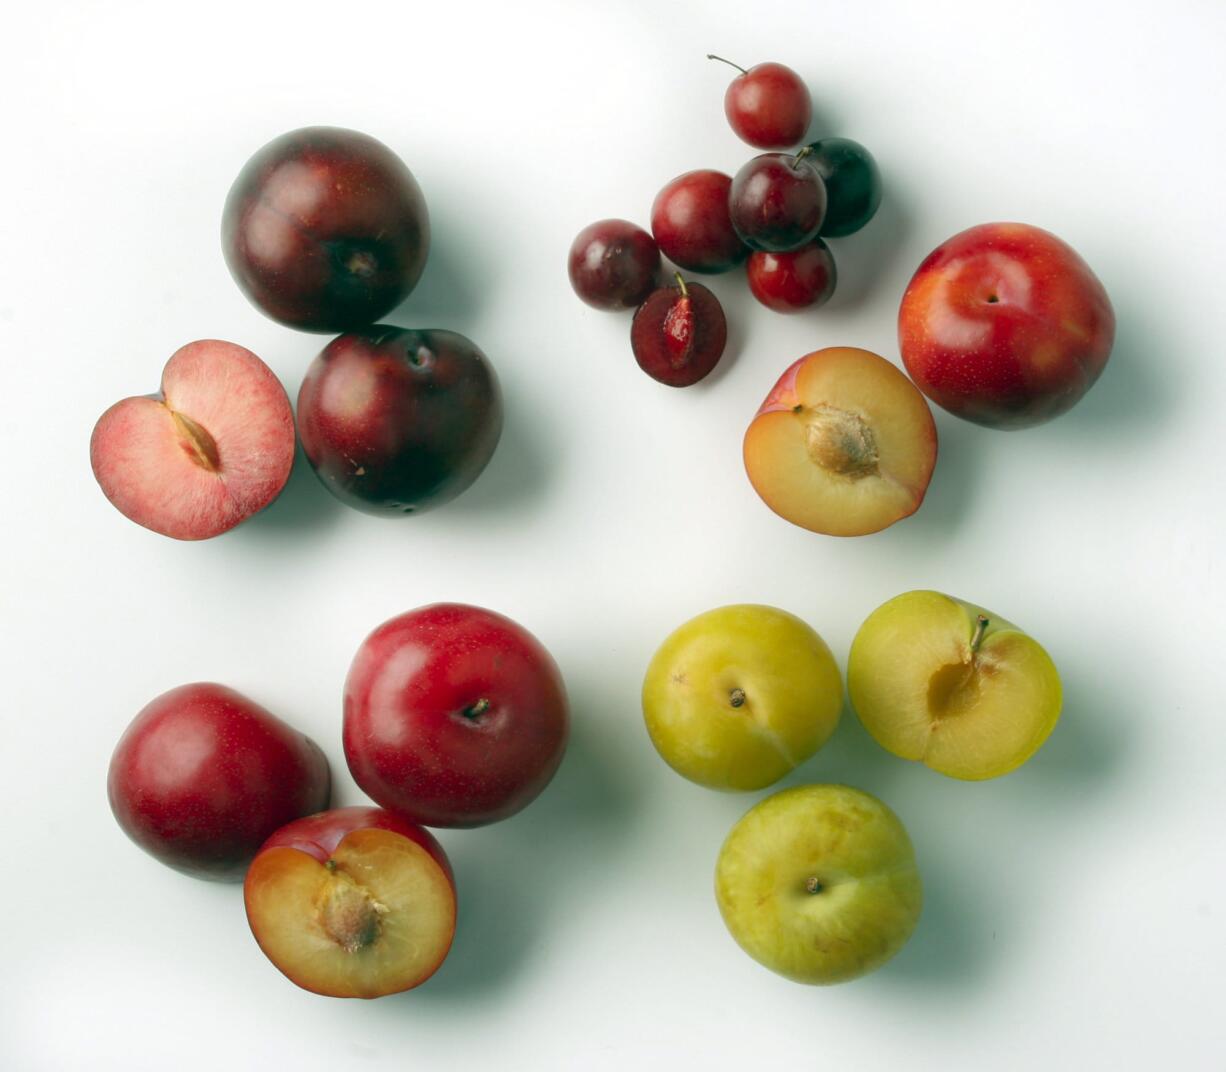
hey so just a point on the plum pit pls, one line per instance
(349, 915)
(839, 441)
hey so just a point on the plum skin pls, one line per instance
(325, 229)
(203, 776)
(395, 420)
(454, 716)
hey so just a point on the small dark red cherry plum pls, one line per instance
(691, 224)
(613, 264)
(203, 775)
(777, 202)
(213, 447)
(325, 229)
(679, 333)
(352, 903)
(768, 105)
(454, 716)
(396, 421)
(792, 282)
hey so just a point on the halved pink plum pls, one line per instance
(215, 446)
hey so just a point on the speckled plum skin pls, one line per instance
(396, 421)
(454, 716)
(1005, 325)
(325, 229)
(203, 776)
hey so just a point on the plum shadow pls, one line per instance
(513, 877)
(454, 277)
(1135, 392)
(517, 475)
(866, 258)
(302, 508)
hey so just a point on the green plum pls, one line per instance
(819, 883)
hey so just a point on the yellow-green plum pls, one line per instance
(952, 685)
(737, 697)
(819, 883)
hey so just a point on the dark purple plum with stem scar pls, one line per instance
(395, 421)
(325, 229)
(679, 333)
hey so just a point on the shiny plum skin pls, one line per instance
(613, 264)
(691, 224)
(791, 282)
(768, 106)
(318, 835)
(453, 716)
(202, 776)
(396, 421)
(777, 202)
(852, 181)
(1005, 325)
(678, 336)
(325, 229)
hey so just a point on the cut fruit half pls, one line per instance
(843, 445)
(375, 917)
(952, 685)
(213, 448)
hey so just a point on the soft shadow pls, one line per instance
(954, 480)
(850, 757)
(1093, 734)
(546, 863)
(738, 304)
(954, 940)
(865, 258)
(1136, 391)
(304, 506)
(517, 474)
(448, 290)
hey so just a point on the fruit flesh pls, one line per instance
(679, 333)
(927, 691)
(215, 447)
(377, 917)
(738, 696)
(819, 883)
(844, 444)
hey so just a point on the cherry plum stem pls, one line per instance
(728, 62)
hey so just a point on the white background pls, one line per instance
(1074, 915)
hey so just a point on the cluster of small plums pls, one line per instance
(774, 214)
(324, 230)
(453, 716)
